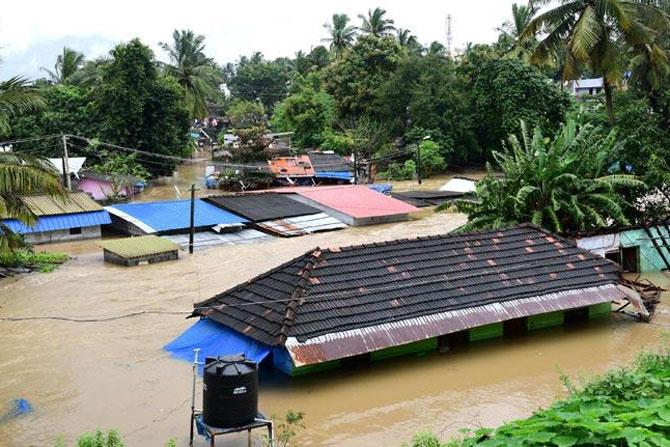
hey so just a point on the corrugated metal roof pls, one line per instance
(175, 215)
(426, 198)
(357, 201)
(62, 222)
(298, 166)
(301, 225)
(360, 341)
(336, 290)
(211, 239)
(589, 83)
(329, 162)
(135, 247)
(45, 205)
(263, 206)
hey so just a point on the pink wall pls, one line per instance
(99, 189)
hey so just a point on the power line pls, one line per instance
(25, 140)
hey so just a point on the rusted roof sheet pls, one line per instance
(45, 205)
(298, 166)
(329, 291)
(360, 341)
(301, 225)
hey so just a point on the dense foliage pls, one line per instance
(559, 183)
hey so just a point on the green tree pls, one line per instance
(408, 40)
(313, 62)
(21, 175)
(427, 96)
(67, 65)
(354, 81)
(309, 112)
(560, 183)
(512, 29)
(375, 23)
(245, 114)
(194, 71)
(17, 96)
(68, 109)
(600, 35)
(340, 34)
(255, 79)
(123, 170)
(139, 109)
(505, 91)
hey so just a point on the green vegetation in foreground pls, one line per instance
(42, 261)
(626, 407)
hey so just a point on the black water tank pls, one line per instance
(230, 392)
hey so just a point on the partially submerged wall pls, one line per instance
(70, 234)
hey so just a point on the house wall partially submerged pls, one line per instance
(69, 234)
(282, 360)
(648, 258)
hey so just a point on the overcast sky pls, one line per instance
(32, 33)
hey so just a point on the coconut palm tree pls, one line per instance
(597, 34)
(512, 29)
(16, 96)
(340, 34)
(408, 40)
(375, 23)
(560, 183)
(67, 64)
(193, 70)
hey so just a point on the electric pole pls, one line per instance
(66, 166)
(418, 163)
(191, 233)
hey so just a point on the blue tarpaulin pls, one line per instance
(384, 188)
(337, 175)
(61, 222)
(215, 340)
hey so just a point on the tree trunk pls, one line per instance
(608, 101)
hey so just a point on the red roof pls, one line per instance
(357, 201)
(298, 166)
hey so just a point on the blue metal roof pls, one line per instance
(339, 175)
(61, 222)
(176, 214)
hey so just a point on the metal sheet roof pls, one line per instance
(335, 175)
(175, 214)
(298, 166)
(211, 239)
(263, 206)
(135, 247)
(61, 222)
(329, 162)
(301, 225)
(360, 341)
(357, 201)
(426, 198)
(45, 205)
(335, 290)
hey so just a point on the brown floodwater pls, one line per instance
(115, 374)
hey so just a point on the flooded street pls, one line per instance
(114, 374)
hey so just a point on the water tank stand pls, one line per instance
(210, 432)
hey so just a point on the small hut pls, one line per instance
(139, 250)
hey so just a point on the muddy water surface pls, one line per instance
(114, 374)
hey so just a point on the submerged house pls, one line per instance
(636, 249)
(277, 214)
(103, 186)
(171, 217)
(353, 204)
(73, 217)
(293, 170)
(332, 307)
(331, 167)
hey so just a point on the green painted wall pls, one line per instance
(649, 259)
(494, 330)
(542, 321)
(598, 311)
(417, 347)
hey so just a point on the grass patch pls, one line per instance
(42, 261)
(625, 407)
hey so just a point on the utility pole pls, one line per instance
(355, 163)
(418, 163)
(66, 166)
(191, 233)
